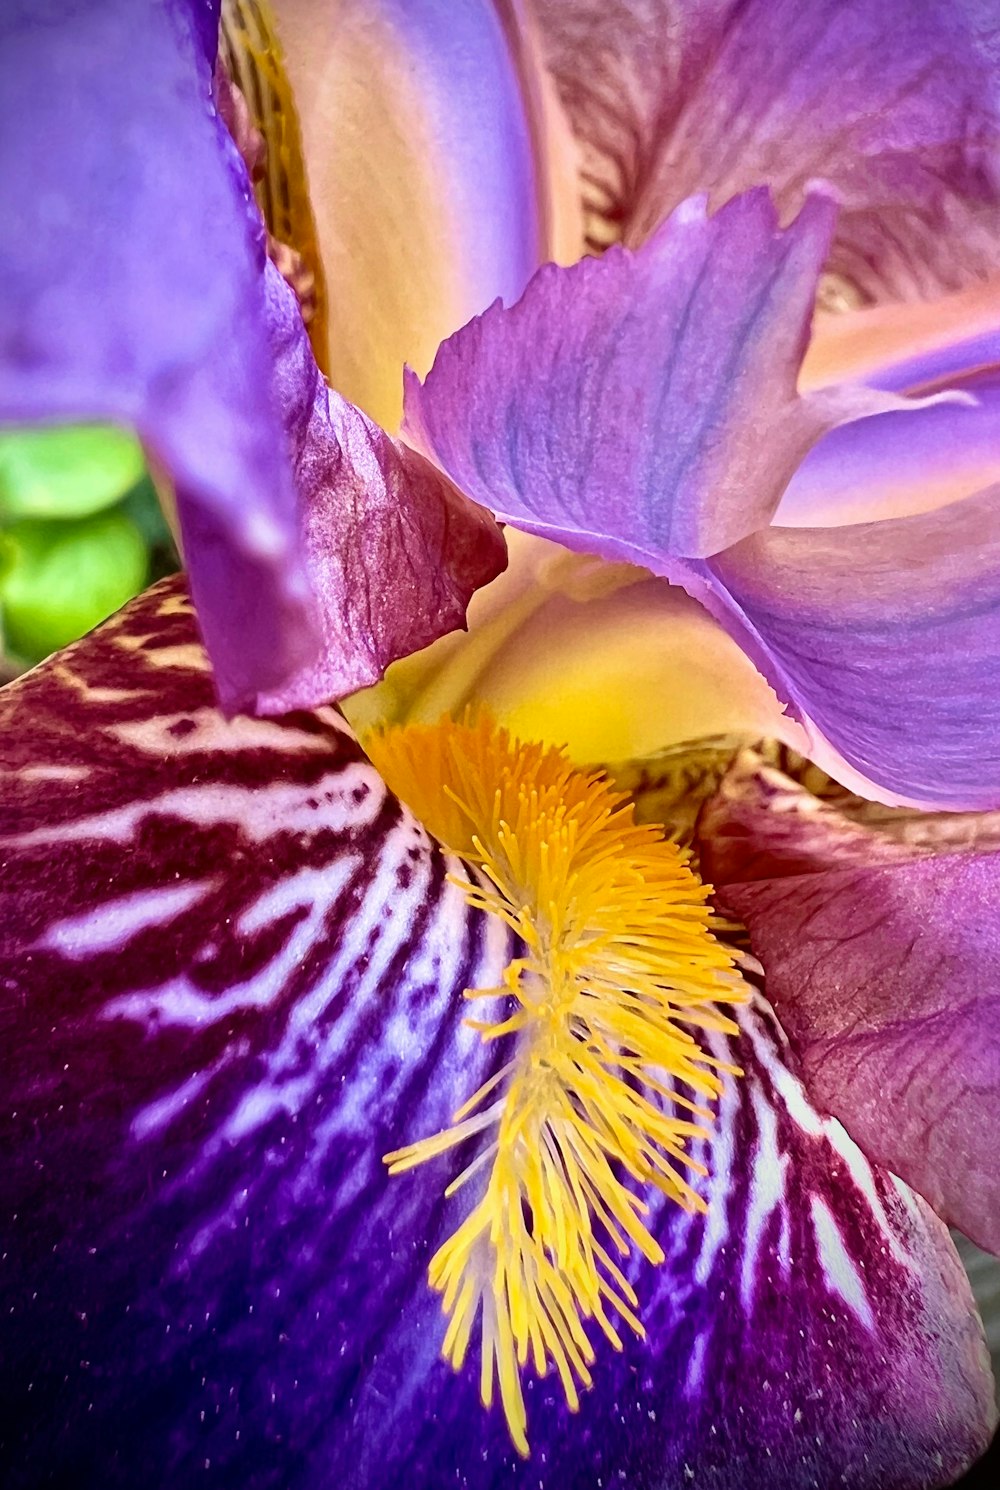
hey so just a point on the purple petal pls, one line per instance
(881, 962)
(644, 404)
(318, 552)
(889, 466)
(131, 257)
(883, 639)
(392, 551)
(231, 978)
(895, 105)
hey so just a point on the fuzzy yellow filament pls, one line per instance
(619, 970)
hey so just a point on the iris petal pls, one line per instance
(231, 977)
(884, 639)
(643, 405)
(428, 194)
(881, 957)
(138, 290)
(894, 105)
(392, 551)
(897, 464)
(602, 658)
(131, 258)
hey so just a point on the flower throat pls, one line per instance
(598, 1019)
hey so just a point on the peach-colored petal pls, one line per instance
(421, 168)
(856, 344)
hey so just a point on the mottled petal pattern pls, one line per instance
(863, 630)
(130, 258)
(231, 976)
(881, 959)
(643, 405)
(894, 104)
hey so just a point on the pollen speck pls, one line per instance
(620, 971)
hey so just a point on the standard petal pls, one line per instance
(881, 960)
(231, 972)
(643, 405)
(894, 105)
(429, 195)
(883, 639)
(131, 254)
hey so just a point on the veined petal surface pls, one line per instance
(643, 404)
(894, 104)
(231, 979)
(881, 957)
(392, 551)
(131, 257)
(883, 639)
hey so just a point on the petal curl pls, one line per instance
(429, 193)
(392, 551)
(897, 464)
(217, 1033)
(895, 105)
(643, 405)
(883, 639)
(889, 466)
(881, 960)
(131, 256)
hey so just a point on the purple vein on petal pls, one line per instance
(229, 992)
(643, 405)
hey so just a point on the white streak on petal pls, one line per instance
(767, 1190)
(180, 1002)
(259, 811)
(54, 773)
(116, 922)
(839, 1267)
(213, 732)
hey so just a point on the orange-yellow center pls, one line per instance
(604, 1084)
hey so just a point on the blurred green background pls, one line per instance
(81, 532)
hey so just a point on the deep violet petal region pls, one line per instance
(231, 982)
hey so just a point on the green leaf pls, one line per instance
(64, 578)
(66, 471)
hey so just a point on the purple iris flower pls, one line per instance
(231, 961)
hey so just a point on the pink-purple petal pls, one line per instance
(881, 960)
(643, 404)
(231, 980)
(883, 639)
(392, 551)
(130, 259)
(894, 104)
